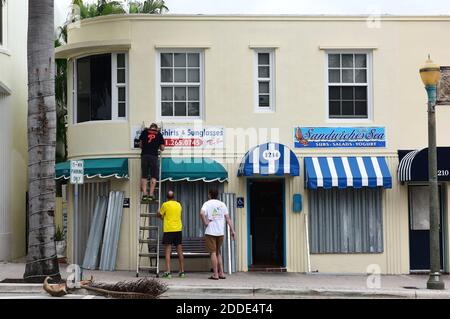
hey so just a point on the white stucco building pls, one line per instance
(13, 128)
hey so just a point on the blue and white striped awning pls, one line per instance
(269, 159)
(342, 172)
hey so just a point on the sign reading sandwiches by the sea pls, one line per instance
(339, 137)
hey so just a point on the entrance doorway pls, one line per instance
(419, 227)
(266, 238)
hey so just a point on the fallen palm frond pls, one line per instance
(140, 289)
(55, 290)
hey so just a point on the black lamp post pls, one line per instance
(430, 74)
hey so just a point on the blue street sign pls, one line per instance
(240, 202)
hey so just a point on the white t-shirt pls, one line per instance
(215, 212)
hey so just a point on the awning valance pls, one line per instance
(269, 159)
(98, 167)
(192, 169)
(342, 172)
(413, 167)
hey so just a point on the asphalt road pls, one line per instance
(42, 296)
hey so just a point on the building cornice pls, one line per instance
(266, 18)
(79, 48)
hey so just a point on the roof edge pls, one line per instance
(262, 17)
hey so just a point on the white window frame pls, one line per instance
(4, 29)
(271, 80)
(174, 118)
(369, 61)
(114, 88)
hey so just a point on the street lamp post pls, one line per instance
(430, 74)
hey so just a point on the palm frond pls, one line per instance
(140, 289)
(154, 6)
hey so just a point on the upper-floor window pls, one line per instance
(264, 80)
(180, 84)
(100, 87)
(348, 85)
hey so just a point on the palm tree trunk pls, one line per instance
(41, 259)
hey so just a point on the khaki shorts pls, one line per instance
(213, 243)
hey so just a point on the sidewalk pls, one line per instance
(259, 285)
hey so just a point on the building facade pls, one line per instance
(13, 138)
(307, 117)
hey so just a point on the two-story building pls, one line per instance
(13, 128)
(300, 118)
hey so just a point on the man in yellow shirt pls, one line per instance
(170, 213)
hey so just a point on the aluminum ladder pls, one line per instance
(148, 231)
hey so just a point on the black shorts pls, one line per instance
(172, 238)
(149, 166)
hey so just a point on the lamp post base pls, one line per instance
(435, 282)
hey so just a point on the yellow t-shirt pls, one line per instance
(171, 213)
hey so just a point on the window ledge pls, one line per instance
(5, 51)
(349, 47)
(349, 120)
(260, 46)
(4, 89)
(271, 111)
(100, 122)
(184, 120)
(181, 46)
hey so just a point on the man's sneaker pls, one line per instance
(167, 275)
(182, 274)
(144, 198)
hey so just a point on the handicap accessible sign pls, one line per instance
(329, 137)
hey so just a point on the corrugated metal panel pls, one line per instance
(229, 245)
(346, 220)
(96, 233)
(396, 228)
(296, 244)
(87, 194)
(112, 231)
(238, 185)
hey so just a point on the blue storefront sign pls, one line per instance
(339, 137)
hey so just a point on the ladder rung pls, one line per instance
(148, 214)
(147, 267)
(148, 227)
(147, 241)
(156, 201)
(148, 254)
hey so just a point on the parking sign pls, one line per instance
(76, 172)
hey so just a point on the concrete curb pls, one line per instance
(21, 288)
(261, 291)
(210, 290)
(311, 292)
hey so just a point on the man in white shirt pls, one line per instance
(214, 213)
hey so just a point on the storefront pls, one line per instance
(265, 169)
(413, 172)
(345, 203)
(189, 177)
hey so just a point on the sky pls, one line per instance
(339, 7)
